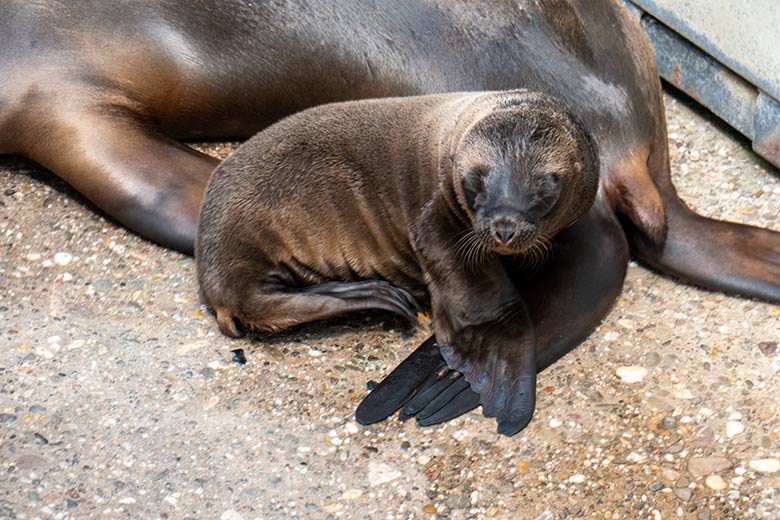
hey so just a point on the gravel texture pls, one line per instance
(119, 397)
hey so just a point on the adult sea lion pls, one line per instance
(371, 204)
(102, 93)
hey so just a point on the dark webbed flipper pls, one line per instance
(440, 382)
(500, 368)
(567, 298)
(370, 294)
(724, 256)
(271, 307)
(464, 402)
(401, 383)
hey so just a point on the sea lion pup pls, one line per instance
(376, 204)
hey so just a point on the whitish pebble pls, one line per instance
(701, 466)
(44, 353)
(716, 483)
(379, 473)
(230, 515)
(734, 428)
(626, 324)
(631, 374)
(351, 494)
(579, 478)
(636, 457)
(63, 259)
(765, 465)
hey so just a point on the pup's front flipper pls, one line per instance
(567, 298)
(498, 360)
(481, 324)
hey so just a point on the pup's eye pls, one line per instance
(549, 199)
(473, 184)
(479, 172)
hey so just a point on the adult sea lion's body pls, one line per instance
(358, 205)
(101, 93)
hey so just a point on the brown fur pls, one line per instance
(332, 193)
(360, 205)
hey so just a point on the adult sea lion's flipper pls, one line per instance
(719, 255)
(148, 182)
(567, 298)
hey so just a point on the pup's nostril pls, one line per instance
(504, 234)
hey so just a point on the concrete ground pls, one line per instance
(120, 399)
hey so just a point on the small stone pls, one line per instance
(63, 258)
(765, 465)
(669, 422)
(684, 494)
(675, 449)
(555, 423)
(702, 466)
(44, 353)
(76, 344)
(239, 356)
(230, 514)
(380, 473)
(716, 483)
(734, 428)
(430, 509)
(768, 348)
(702, 437)
(458, 501)
(636, 458)
(652, 359)
(631, 374)
(7, 418)
(351, 494)
(578, 478)
(626, 324)
(670, 474)
(547, 515)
